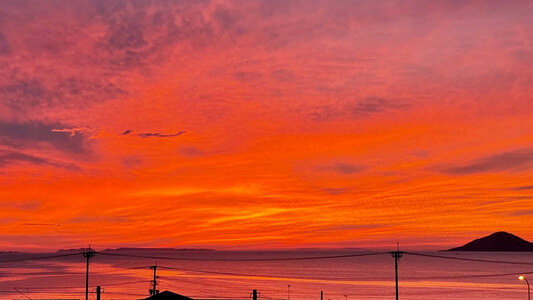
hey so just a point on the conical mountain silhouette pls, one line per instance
(498, 241)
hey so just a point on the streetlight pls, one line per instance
(522, 277)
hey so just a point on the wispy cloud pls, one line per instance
(10, 157)
(24, 93)
(190, 151)
(518, 213)
(40, 224)
(126, 36)
(507, 161)
(13, 157)
(25, 205)
(344, 168)
(160, 135)
(522, 188)
(98, 219)
(35, 133)
(5, 48)
(373, 105)
(360, 108)
(153, 134)
(335, 191)
(72, 131)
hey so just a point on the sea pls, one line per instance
(292, 275)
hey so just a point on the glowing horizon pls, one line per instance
(264, 124)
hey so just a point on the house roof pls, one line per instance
(166, 295)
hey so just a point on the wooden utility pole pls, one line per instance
(98, 290)
(88, 255)
(254, 294)
(154, 290)
(396, 254)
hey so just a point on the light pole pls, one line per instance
(521, 277)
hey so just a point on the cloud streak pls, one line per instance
(160, 135)
(508, 161)
(522, 188)
(361, 108)
(23, 93)
(72, 131)
(5, 48)
(33, 134)
(154, 134)
(26, 205)
(374, 105)
(345, 168)
(12, 157)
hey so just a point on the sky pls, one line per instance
(264, 124)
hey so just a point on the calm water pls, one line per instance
(368, 277)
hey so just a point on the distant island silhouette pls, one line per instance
(497, 242)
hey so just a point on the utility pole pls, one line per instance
(288, 292)
(154, 290)
(396, 254)
(98, 290)
(321, 295)
(254, 294)
(88, 255)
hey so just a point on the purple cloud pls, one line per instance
(160, 135)
(32, 134)
(13, 157)
(344, 168)
(507, 161)
(5, 48)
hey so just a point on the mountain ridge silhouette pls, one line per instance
(500, 241)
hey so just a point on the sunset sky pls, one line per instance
(264, 124)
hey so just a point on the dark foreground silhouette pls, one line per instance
(166, 295)
(498, 241)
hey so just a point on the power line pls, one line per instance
(71, 293)
(263, 275)
(40, 258)
(344, 278)
(25, 296)
(471, 259)
(217, 273)
(125, 283)
(468, 276)
(123, 293)
(94, 272)
(200, 295)
(245, 259)
(263, 259)
(78, 287)
(42, 292)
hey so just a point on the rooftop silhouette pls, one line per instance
(166, 295)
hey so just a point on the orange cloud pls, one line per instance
(265, 123)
